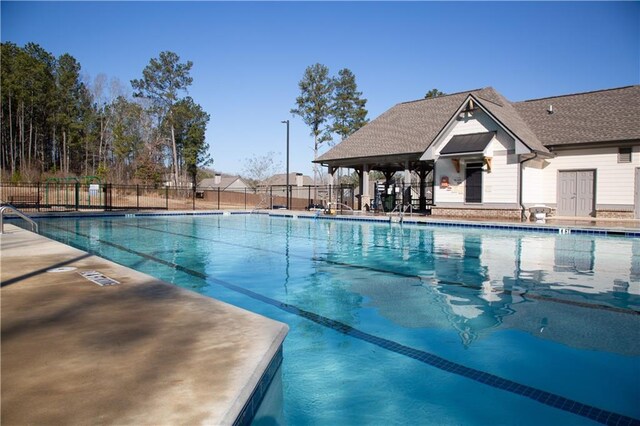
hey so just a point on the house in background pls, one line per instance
(295, 179)
(578, 154)
(224, 183)
(300, 184)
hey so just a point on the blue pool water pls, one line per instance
(410, 324)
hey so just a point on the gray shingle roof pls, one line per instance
(410, 127)
(504, 111)
(405, 128)
(281, 179)
(225, 181)
(602, 116)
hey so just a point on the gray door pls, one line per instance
(576, 193)
(567, 193)
(637, 194)
(584, 204)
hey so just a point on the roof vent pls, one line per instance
(550, 109)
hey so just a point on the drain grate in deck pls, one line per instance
(98, 278)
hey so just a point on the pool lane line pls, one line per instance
(372, 245)
(302, 237)
(524, 294)
(556, 401)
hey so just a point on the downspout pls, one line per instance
(520, 183)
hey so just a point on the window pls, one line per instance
(624, 155)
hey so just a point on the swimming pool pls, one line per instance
(395, 324)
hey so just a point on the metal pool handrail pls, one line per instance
(34, 225)
(329, 204)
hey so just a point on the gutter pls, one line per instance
(520, 183)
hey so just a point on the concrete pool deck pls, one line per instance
(140, 352)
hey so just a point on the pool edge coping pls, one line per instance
(439, 223)
(247, 399)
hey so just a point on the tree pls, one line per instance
(314, 106)
(433, 93)
(71, 103)
(348, 108)
(162, 82)
(127, 134)
(190, 122)
(27, 92)
(260, 167)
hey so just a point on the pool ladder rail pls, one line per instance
(11, 209)
(337, 205)
(401, 210)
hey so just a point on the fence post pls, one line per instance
(353, 196)
(77, 191)
(218, 198)
(193, 195)
(245, 198)
(38, 201)
(137, 196)
(166, 197)
(271, 198)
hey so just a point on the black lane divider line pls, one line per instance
(557, 401)
(523, 294)
(372, 245)
(163, 220)
(381, 224)
(306, 238)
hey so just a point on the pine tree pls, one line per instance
(314, 106)
(348, 106)
(190, 122)
(162, 81)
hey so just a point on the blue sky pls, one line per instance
(249, 56)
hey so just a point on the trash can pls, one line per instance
(389, 202)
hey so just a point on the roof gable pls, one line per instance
(506, 115)
(406, 128)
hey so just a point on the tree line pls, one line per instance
(53, 123)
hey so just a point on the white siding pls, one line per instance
(501, 184)
(455, 192)
(614, 181)
(498, 186)
(532, 183)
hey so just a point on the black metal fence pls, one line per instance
(76, 196)
(386, 198)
